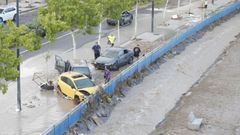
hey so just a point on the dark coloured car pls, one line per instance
(114, 58)
(82, 68)
(64, 66)
(38, 29)
(126, 19)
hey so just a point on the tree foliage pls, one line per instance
(50, 23)
(114, 8)
(72, 14)
(158, 2)
(12, 36)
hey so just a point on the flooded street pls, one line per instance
(39, 108)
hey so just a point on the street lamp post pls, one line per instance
(152, 26)
(190, 6)
(164, 12)
(19, 108)
(178, 7)
(136, 21)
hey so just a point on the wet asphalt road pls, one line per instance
(66, 41)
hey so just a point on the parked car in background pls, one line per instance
(76, 86)
(37, 28)
(114, 58)
(65, 66)
(7, 13)
(126, 19)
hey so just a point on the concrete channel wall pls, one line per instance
(72, 117)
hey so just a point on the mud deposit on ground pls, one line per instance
(215, 98)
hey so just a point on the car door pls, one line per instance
(12, 12)
(121, 58)
(126, 56)
(9, 13)
(59, 64)
(72, 87)
(66, 87)
(6, 14)
(63, 85)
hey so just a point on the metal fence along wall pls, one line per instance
(72, 118)
(69, 120)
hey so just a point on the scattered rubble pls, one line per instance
(33, 102)
(194, 123)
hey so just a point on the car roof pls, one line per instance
(115, 48)
(74, 75)
(80, 65)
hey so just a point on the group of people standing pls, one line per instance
(97, 48)
(97, 52)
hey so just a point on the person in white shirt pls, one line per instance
(205, 3)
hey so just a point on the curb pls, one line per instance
(35, 8)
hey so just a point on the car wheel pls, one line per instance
(76, 100)
(130, 21)
(115, 66)
(14, 17)
(121, 23)
(130, 61)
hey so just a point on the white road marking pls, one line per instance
(45, 43)
(26, 12)
(160, 9)
(68, 50)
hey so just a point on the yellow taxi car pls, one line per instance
(76, 86)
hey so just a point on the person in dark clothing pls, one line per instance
(136, 51)
(205, 3)
(67, 66)
(97, 50)
(107, 75)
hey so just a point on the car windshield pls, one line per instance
(84, 83)
(1, 10)
(110, 54)
(84, 70)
